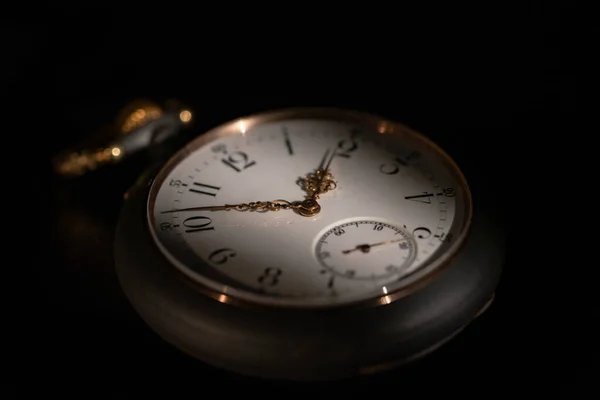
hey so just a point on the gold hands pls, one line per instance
(315, 184)
(320, 181)
(304, 208)
(258, 206)
(365, 248)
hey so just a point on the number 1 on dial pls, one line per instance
(206, 188)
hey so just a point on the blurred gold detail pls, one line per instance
(386, 127)
(137, 114)
(222, 298)
(133, 116)
(185, 116)
(77, 163)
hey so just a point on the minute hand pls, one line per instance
(315, 184)
(259, 206)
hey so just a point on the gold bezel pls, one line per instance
(384, 126)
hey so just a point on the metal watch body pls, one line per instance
(304, 343)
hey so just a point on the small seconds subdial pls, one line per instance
(366, 250)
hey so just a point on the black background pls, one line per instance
(489, 83)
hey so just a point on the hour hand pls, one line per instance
(320, 181)
(258, 206)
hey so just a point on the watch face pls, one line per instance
(309, 208)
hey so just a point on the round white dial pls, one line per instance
(379, 183)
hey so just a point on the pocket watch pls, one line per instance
(307, 244)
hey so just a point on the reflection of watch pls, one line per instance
(392, 263)
(140, 125)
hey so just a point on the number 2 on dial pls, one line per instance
(239, 161)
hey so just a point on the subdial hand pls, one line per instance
(365, 248)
